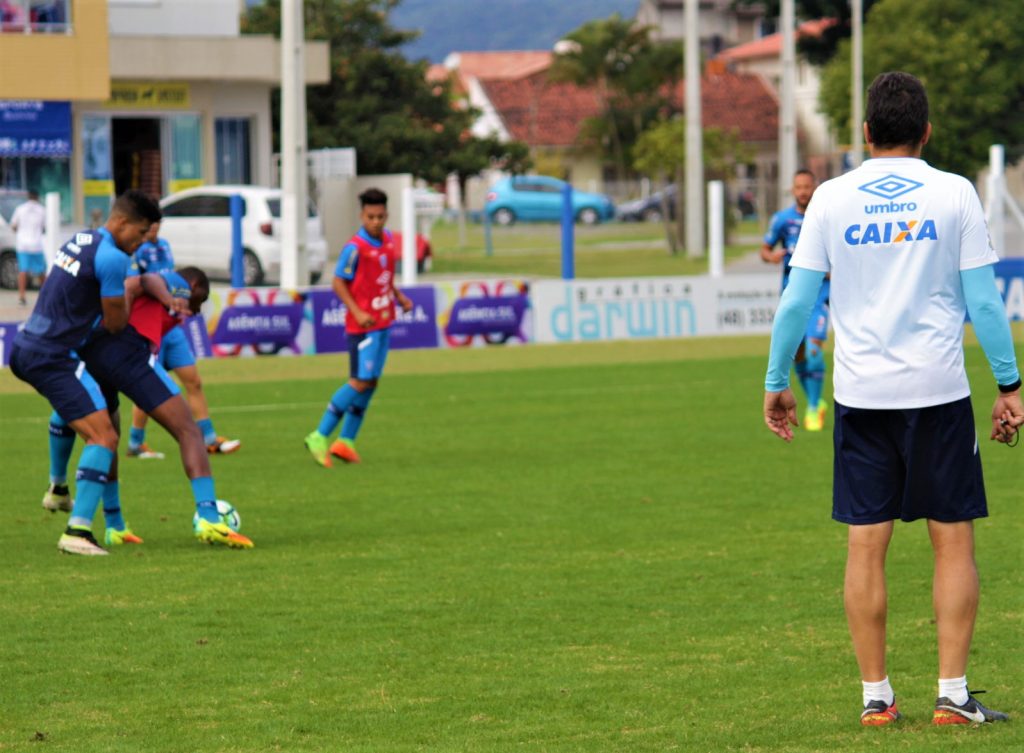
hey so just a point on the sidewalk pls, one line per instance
(10, 311)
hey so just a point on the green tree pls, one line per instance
(376, 101)
(661, 152)
(817, 50)
(631, 74)
(969, 57)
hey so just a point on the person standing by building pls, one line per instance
(909, 257)
(29, 223)
(364, 280)
(809, 364)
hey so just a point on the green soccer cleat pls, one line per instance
(219, 533)
(114, 537)
(316, 443)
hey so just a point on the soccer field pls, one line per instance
(564, 548)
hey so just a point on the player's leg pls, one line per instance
(23, 267)
(215, 444)
(318, 440)
(117, 531)
(137, 447)
(62, 442)
(867, 495)
(946, 487)
(372, 358)
(74, 394)
(125, 362)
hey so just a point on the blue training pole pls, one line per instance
(237, 270)
(568, 235)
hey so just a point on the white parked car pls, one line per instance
(197, 224)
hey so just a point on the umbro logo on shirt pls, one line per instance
(890, 186)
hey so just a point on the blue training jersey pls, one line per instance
(153, 257)
(784, 229)
(88, 268)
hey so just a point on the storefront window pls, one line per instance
(35, 16)
(233, 159)
(186, 153)
(98, 183)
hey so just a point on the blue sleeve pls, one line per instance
(790, 324)
(773, 235)
(347, 262)
(176, 284)
(111, 268)
(988, 315)
(167, 250)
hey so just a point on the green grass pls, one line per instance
(626, 249)
(562, 548)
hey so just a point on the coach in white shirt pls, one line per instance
(909, 256)
(29, 223)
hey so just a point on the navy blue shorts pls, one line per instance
(907, 464)
(62, 379)
(125, 362)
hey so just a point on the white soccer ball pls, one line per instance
(228, 516)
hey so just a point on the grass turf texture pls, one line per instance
(566, 548)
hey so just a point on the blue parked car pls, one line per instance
(538, 198)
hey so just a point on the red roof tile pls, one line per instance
(741, 102)
(542, 113)
(492, 66)
(771, 45)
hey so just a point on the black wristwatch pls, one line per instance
(1004, 388)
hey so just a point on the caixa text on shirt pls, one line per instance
(899, 231)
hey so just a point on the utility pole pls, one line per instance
(694, 135)
(294, 266)
(787, 104)
(857, 84)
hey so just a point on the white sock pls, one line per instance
(954, 689)
(878, 691)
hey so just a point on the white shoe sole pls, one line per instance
(78, 545)
(53, 503)
(225, 448)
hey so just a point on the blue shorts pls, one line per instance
(125, 362)
(33, 262)
(62, 379)
(907, 464)
(175, 351)
(367, 353)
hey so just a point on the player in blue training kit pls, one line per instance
(83, 294)
(154, 255)
(127, 361)
(809, 363)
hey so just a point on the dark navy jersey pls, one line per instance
(88, 268)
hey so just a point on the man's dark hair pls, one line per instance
(195, 277)
(373, 197)
(897, 112)
(137, 207)
(33, 194)
(805, 171)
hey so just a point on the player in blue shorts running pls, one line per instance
(809, 362)
(83, 294)
(154, 255)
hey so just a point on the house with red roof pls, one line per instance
(517, 100)
(763, 57)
